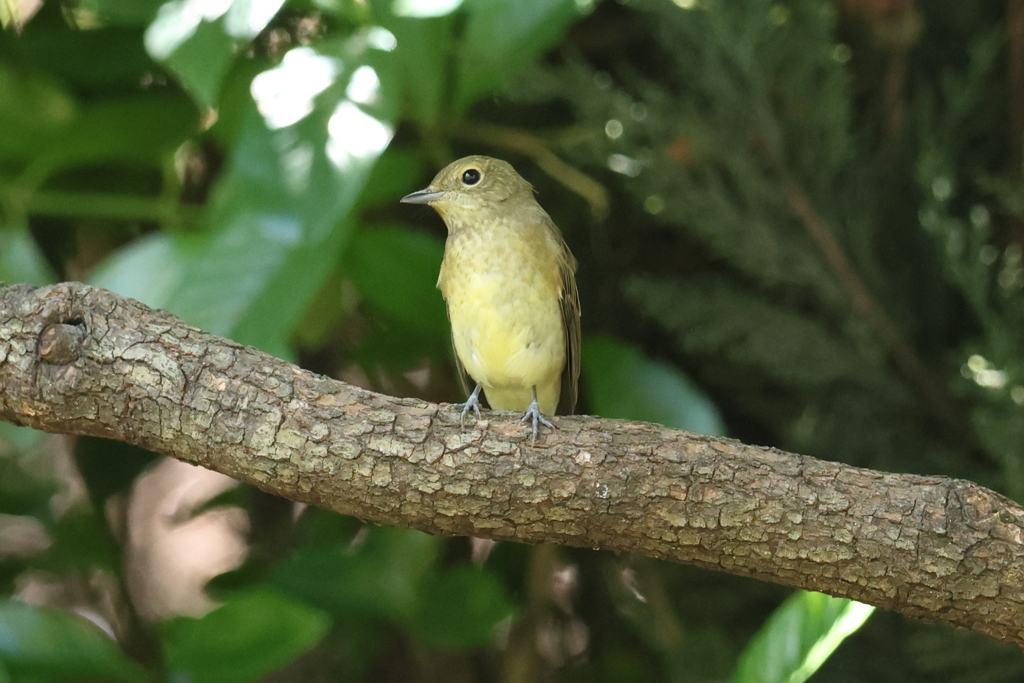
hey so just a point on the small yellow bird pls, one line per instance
(509, 281)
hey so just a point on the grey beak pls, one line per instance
(422, 197)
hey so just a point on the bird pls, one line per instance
(509, 282)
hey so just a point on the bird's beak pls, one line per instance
(422, 196)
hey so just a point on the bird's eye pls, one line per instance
(470, 176)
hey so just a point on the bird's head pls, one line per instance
(472, 184)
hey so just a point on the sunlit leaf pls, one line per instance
(621, 382)
(197, 39)
(280, 213)
(798, 637)
(202, 60)
(424, 8)
(9, 13)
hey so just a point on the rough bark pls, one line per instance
(79, 360)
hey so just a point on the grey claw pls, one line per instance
(536, 418)
(472, 403)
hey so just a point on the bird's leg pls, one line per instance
(534, 415)
(472, 403)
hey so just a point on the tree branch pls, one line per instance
(80, 360)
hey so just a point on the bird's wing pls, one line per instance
(463, 375)
(464, 379)
(570, 304)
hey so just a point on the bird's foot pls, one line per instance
(472, 403)
(535, 417)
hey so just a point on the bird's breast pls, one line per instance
(502, 287)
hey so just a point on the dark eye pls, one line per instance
(470, 176)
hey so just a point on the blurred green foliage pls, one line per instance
(44, 644)
(814, 242)
(252, 634)
(798, 637)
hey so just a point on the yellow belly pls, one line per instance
(509, 337)
(506, 319)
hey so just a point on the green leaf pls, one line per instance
(22, 493)
(423, 53)
(252, 635)
(269, 253)
(34, 109)
(18, 439)
(110, 59)
(11, 569)
(393, 176)
(9, 13)
(21, 259)
(621, 382)
(280, 213)
(502, 36)
(198, 41)
(150, 268)
(123, 12)
(109, 467)
(380, 577)
(390, 575)
(319, 527)
(81, 544)
(395, 270)
(798, 637)
(460, 608)
(202, 61)
(144, 129)
(424, 8)
(47, 645)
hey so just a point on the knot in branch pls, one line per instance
(61, 343)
